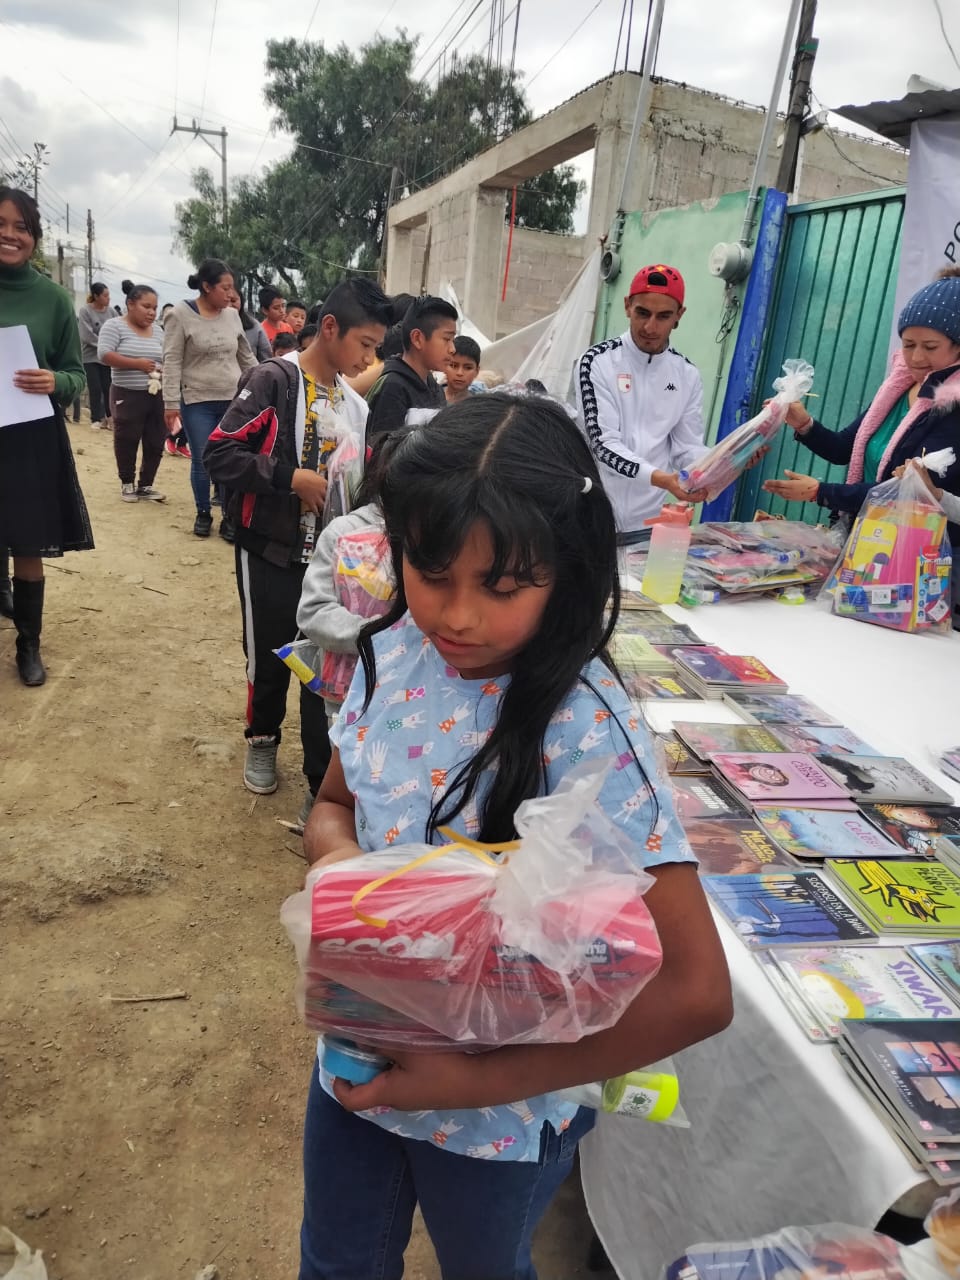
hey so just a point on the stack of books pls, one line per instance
(824, 833)
(754, 777)
(786, 907)
(712, 672)
(899, 897)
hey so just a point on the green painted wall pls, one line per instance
(683, 239)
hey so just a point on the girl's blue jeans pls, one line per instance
(199, 421)
(362, 1184)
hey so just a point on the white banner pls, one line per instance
(931, 220)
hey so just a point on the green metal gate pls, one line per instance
(833, 307)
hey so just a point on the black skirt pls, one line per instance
(42, 510)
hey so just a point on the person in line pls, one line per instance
(504, 548)
(252, 329)
(306, 336)
(427, 330)
(175, 445)
(132, 348)
(42, 510)
(392, 345)
(641, 404)
(204, 353)
(462, 368)
(273, 308)
(270, 453)
(283, 343)
(91, 318)
(296, 315)
(915, 411)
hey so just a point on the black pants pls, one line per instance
(98, 385)
(137, 424)
(269, 597)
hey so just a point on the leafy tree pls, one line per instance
(359, 121)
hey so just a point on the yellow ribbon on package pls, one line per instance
(474, 847)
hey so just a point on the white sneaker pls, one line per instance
(128, 493)
(147, 492)
(96, 426)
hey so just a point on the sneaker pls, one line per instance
(150, 494)
(128, 493)
(183, 451)
(203, 524)
(96, 426)
(305, 809)
(228, 530)
(170, 447)
(260, 766)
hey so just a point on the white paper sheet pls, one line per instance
(16, 352)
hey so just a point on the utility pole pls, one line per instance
(804, 56)
(89, 250)
(382, 266)
(221, 151)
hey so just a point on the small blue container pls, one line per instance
(347, 1061)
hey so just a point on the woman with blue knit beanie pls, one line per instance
(915, 411)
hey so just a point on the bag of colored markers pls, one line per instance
(727, 461)
(895, 567)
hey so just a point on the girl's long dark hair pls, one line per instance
(520, 465)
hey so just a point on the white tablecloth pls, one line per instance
(780, 1136)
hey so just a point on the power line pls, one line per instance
(206, 70)
(393, 5)
(576, 29)
(943, 29)
(312, 16)
(878, 177)
(176, 65)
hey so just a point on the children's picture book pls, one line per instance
(658, 629)
(941, 960)
(636, 655)
(883, 779)
(776, 776)
(814, 738)
(702, 798)
(705, 740)
(679, 758)
(825, 833)
(711, 671)
(914, 827)
(915, 1065)
(734, 847)
(785, 907)
(901, 897)
(862, 982)
(784, 708)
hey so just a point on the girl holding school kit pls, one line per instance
(485, 683)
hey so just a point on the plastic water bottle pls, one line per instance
(667, 557)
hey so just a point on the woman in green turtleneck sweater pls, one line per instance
(42, 511)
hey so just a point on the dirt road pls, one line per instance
(142, 1141)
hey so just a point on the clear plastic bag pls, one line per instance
(942, 1225)
(834, 1249)
(431, 948)
(894, 570)
(727, 461)
(344, 473)
(365, 585)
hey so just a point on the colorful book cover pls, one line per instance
(714, 666)
(679, 758)
(885, 779)
(705, 740)
(778, 708)
(785, 907)
(702, 798)
(902, 896)
(815, 738)
(777, 776)
(863, 982)
(824, 833)
(661, 687)
(941, 960)
(734, 847)
(914, 827)
(916, 1066)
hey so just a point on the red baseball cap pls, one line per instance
(659, 279)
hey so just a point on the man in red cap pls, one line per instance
(641, 404)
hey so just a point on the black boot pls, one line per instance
(28, 617)
(6, 590)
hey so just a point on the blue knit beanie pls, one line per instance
(935, 306)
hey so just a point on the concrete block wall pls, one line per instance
(541, 266)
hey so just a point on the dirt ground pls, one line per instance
(143, 1141)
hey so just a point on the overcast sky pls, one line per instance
(98, 82)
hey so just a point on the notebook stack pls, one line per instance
(900, 898)
(712, 672)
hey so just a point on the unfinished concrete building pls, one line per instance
(694, 146)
